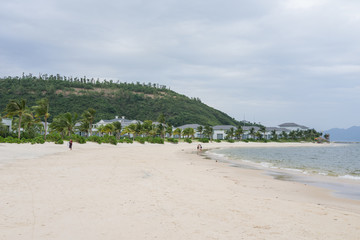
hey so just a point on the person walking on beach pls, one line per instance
(199, 147)
(70, 144)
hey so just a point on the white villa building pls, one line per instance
(193, 126)
(7, 122)
(124, 123)
(293, 126)
(220, 131)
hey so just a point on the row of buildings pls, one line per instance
(219, 131)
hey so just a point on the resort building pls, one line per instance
(7, 122)
(248, 133)
(124, 123)
(293, 126)
(221, 131)
(193, 126)
(278, 131)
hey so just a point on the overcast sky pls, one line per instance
(270, 61)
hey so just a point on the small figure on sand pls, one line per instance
(70, 144)
(199, 147)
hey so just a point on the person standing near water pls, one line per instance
(70, 144)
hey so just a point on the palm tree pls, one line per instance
(117, 128)
(109, 128)
(178, 132)
(169, 129)
(263, 130)
(57, 125)
(258, 135)
(230, 133)
(29, 125)
(189, 132)
(69, 122)
(239, 132)
(42, 110)
(284, 135)
(160, 129)
(101, 129)
(292, 135)
(252, 132)
(89, 116)
(147, 127)
(65, 123)
(131, 129)
(209, 131)
(138, 129)
(84, 127)
(273, 134)
(200, 130)
(17, 108)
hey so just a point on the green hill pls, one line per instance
(133, 100)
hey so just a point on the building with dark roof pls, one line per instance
(293, 126)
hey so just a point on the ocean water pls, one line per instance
(313, 165)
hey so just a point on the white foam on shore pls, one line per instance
(350, 177)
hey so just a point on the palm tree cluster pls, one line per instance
(28, 119)
(145, 129)
(300, 135)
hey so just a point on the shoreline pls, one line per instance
(147, 191)
(340, 186)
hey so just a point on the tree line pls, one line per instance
(28, 122)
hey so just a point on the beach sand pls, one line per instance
(134, 191)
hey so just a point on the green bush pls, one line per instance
(125, 140)
(11, 140)
(217, 140)
(157, 140)
(230, 140)
(38, 139)
(204, 140)
(188, 140)
(140, 140)
(78, 139)
(60, 141)
(172, 140)
(113, 140)
(53, 137)
(95, 138)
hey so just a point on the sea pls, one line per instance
(333, 166)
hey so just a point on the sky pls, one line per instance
(265, 61)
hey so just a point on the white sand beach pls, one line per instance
(134, 191)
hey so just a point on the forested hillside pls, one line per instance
(133, 100)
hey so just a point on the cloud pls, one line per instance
(275, 60)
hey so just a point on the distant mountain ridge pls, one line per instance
(351, 134)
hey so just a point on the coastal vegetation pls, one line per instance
(73, 105)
